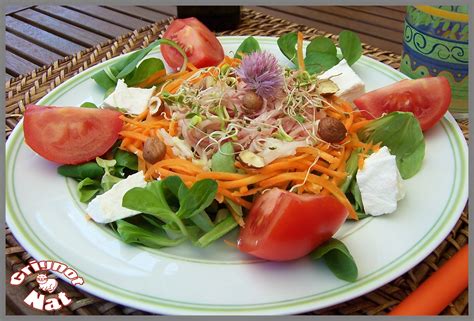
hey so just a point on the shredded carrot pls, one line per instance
(135, 150)
(324, 170)
(358, 125)
(301, 176)
(236, 199)
(142, 115)
(191, 168)
(333, 114)
(360, 161)
(243, 189)
(141, 164)
(171, 87)
(317, 153)
(315, 169)
(231, 244)
(165, 173)
(288, 159)
(152, 79)
(169, 77)
(191, 66)
(245, 181)
(173, 127)
(250, 192)
(221, 176)
(134, 135)
(147, 124)
(299, 51)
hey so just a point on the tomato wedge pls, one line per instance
(200, 44)
(427, 98)
(285, 226)
(70, 135)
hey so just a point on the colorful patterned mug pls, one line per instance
(436, 44)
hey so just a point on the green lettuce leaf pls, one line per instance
(351, 46)
(401, 133)
(146, 68)
(338, 259)
(247, 46)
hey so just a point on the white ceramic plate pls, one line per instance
(46, 217)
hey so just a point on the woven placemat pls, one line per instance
(30, 88)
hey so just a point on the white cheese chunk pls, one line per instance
(130, 99)
(107, 207)
(349, 83)
(380, 183)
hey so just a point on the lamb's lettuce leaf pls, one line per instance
(351, 170)
(338, 259)
(223, 160)
(321, 53)
(287, 45)
(126, 67)
(88, 188)
(247, 46)
(81, 171)
(401, 133)
(351, 46)
(146, 68)
(154, 238)
(88, 104)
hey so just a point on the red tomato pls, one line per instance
(70, 135)
(427, 98)
(200, 44)
(284, 226)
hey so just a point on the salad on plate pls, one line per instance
(286, 153)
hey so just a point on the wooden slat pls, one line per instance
(374, 41)
(331, 15)
(29, 51)
(362, 19)
(46, 39)
(139, 12)
(84, 21)
(13, 9)
(169, 10)
(61, 28)
(105, 14)
(397, 8)
(16, 65)
(381, 12)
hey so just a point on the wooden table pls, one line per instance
(39, 35)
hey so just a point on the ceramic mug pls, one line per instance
(436, 44)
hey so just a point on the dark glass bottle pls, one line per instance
(216, 18)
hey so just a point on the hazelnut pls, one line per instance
(327, 87)
(155, 106)
(251, 159)
(331, 130)
(251, 101)
(153, 150)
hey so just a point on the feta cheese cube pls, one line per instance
(350, 85)
(380, 183)
(132, 100)
(107, 207)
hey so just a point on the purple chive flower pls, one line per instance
(261, 72)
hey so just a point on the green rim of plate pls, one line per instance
(448, 217)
